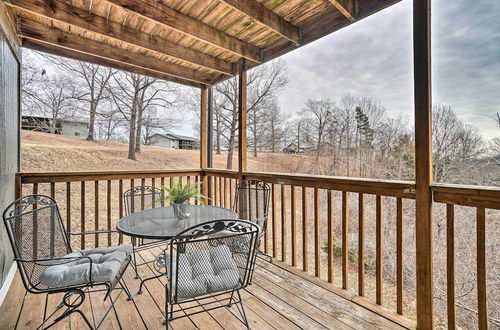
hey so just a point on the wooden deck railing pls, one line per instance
(307, 216)
(482, 199)
(93, 200)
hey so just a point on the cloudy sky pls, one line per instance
(374, 57)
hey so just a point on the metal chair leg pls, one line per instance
(125, 288)
(167, 317)
(72, 307)
(242, 310)
(135, 258)
(262, 253)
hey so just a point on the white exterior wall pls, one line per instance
(74, 129)
(164, 142)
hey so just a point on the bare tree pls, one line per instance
(273, 123)
(139, 100)
(263, 83)
(55, 99)
(92, 81)
(317, 116)
(454, 143)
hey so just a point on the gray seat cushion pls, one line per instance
(106, 264)
(203, 271)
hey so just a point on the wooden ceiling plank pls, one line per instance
(61, 11)
(75, 55)
(187, 25)
(346, 7)
(323, 26)
(265, 16)
(41, 32)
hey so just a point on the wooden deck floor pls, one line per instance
(279, 298)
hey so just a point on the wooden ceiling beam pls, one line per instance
(53, 36)
(265, 16)
(43, 47)
(61, 11)
(187, 25)
(346, 7)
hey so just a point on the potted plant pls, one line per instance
(179, 195)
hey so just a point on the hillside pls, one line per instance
(43, 152)
(49, 152)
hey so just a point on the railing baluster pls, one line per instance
(225, 194)
(52, 223)
(361, 245)
(196, 180)
(283, 223)
(215, 188)
(378, 250)
(68, 208)
(482, 302)
(345, 230)
(329, 234)
(82, 214)
(35, 224)
(231, 196)
(221, 198)
(153, 199)
(450, 264)
(274, 229)
(317, 237)
(305, 232)
(120, 206)
(143, 183)
(399, 255)
(293, 226)
(211, 189)
(96, 212)
(132, 200)
(108, 207)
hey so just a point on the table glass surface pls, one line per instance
(160, 223)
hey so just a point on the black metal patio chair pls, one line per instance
(137, 199)
(204, 272)
(251, 203)
(47, 263)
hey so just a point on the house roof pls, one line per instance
(174, 137)
(61, 120)
(196, 43)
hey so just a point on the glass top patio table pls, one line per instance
(160, 223)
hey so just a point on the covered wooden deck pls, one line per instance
(281, 297)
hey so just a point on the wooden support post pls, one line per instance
(242, 119)
(203, 140)
(423, 159)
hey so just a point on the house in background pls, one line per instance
(61, 126)
(173, 141)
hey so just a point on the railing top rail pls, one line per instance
(467, 195)
(42, 177)
(369, 186)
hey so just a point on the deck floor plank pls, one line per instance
(279, 298)
(329, 301)
(13, 304)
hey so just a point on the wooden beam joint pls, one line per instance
(348, 8)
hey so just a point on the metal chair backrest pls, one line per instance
(251, 201)
(36, 232)
(236, 248)
(141, 198)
